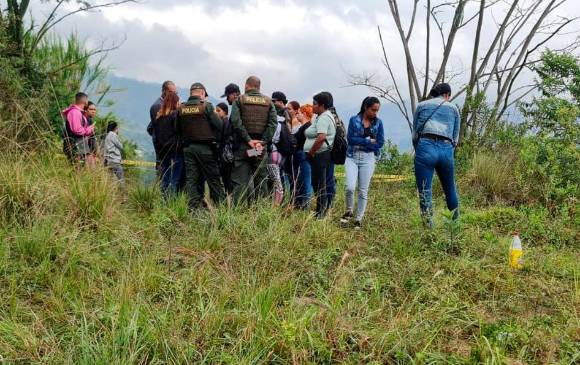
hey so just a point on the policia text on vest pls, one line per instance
(253, 118)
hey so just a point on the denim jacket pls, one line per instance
(436, 116)
(357, 141)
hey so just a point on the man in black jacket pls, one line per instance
(167, 86)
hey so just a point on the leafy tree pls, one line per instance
(552, 152)
(40, 73)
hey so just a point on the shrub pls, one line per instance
(24, 194)
(495, 176)
(394, 161)
(550, 166)
(145, 198)
(91, 195)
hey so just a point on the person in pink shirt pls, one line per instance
(78, 130)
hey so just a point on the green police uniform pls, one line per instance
(198, 126)
(253, 118)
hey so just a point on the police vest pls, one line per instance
(194, 125)
(255, 112)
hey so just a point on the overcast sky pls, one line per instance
(300, 47)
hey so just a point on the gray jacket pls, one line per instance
(112, 148)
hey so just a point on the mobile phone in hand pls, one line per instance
(253, 152)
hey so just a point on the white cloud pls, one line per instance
(298, 46)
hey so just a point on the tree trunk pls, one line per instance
(472, 77)
(15, 29)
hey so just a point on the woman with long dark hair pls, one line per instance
(167, 144)
(90, 114)
(435, 135)
(366, 138)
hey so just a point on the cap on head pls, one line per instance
(198, 86)
(231, 89)
(279, 96)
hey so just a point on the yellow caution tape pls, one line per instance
(132, 163)
(390, 178)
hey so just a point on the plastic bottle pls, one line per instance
(516, 252)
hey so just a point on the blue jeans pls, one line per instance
(435, 156)
(300, 179)
(171, 169)
(360, 167)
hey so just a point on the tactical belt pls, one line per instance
(189, 143)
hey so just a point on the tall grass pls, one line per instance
(496, 177)
(89, 280)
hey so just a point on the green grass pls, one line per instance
(88, 277)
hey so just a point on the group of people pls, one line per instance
(254, 146)
(80, 144)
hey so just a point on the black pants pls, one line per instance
(319, 166)
(226, 173)
(201, 164)
(249, 177)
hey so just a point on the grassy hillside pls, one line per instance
(91, 278)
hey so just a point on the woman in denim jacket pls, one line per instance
(366, 138)
(435, 135)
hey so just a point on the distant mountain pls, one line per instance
(131, 102)
(133, 98)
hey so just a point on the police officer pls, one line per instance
(199, 126)
(253, 119)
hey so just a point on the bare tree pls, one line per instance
(518, 35)
(14, 11)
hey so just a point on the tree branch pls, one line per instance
(521, 56)
(390, 70)
(427, 49)
(521, 67)
(411, 73)
(50, 22)
(467, 105)
(450, 39)
(412, 20)
(85, 57)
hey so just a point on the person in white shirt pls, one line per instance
(112, 149)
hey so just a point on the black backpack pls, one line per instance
(287, 143)
(338, 148)
(68, 143)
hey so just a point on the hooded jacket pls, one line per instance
(77, 122)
